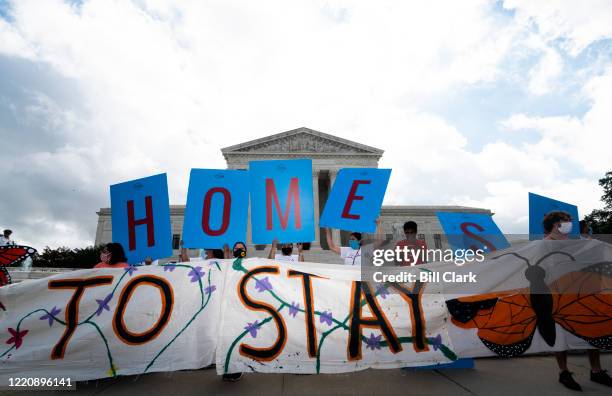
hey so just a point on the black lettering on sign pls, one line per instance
(72, 308)
(378, 320)
(311, 331)
(270, 353)
(413, 298)
(167, 302)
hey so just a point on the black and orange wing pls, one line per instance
(582, 304)
(505, 321)
(10, 255)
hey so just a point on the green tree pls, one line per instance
(64, 257)
(601, 219)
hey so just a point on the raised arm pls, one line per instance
(330, 242)
(378, 240)
(300, 252)
(272, 249)
(183, 255)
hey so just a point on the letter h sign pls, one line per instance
(141, 218)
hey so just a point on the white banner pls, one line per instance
(105, 322)
(267, 316)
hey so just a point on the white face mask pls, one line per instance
(565, 227)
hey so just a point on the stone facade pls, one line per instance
(329, 154)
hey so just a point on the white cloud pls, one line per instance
(584, 141)
(576, 23)
(542, 77)
(12, 43)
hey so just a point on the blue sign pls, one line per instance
(355, 199)
(216, 210)
(281, 201)
(472, 231)
(141, 218)
(539, 206)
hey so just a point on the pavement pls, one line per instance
(531, 375)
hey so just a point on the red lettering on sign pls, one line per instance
(227, 202)
(148, 221)
(353, 197)
(293, 195)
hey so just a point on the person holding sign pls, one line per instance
(239, 250)
(184, 254)
(557, 227)
(412, 244)
(112, 256)
(286, 252)
(540, 206)
(350, 254)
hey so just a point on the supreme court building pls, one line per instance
(329, 154)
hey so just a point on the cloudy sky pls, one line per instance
(474, 102)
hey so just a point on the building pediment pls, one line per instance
(302, 140)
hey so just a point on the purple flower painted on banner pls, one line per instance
(103, 304)
(294, 309)
(436, 342)
(169, 267)
(326, 317)
(263, 285)
(252, 328)
(373, 342)
(382, 291)
(50, 316)
(196, 274)
(210, 289)
(131, 269)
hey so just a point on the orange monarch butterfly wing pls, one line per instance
(13, 254)
(505, 321)
(583, 304)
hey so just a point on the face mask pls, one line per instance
(239, 253)
(287, 251)
(105, 257)
(565, 227)
(354, 244)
